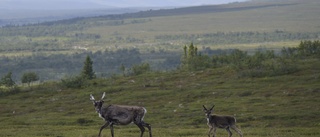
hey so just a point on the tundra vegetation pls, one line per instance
(264, 71)
(265, 105)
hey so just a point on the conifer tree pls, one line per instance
(87, 71)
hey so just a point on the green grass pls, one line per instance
(269, 106)
(71, 131)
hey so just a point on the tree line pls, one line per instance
(239, 37)
(57, 66)
(260, 64)
(87, 73)
(128, 62)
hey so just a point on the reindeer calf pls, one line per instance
(215, 121)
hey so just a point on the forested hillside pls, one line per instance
(57, 49)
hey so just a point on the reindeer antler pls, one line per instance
(92, 98)
(103, 95)
(211, 107)
(204, 107)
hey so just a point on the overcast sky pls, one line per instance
(94, 4)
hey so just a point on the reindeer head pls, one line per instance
(208, 112)
(98, 104)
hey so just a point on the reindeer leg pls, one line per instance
(234, 127)
(214, 131)
(148, 126)
(210, 130)
(111, 128)
(142, 129)
(229, 132)
(102, 127)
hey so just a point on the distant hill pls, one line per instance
(99, 4)
(158, 35)
(17, 12)
(27, 16)
(202, 9)
(22, 15)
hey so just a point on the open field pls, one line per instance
(295, 18)
(281, 106)
(71, 131)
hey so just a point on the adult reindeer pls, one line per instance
(215, 121)
(120, 115)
